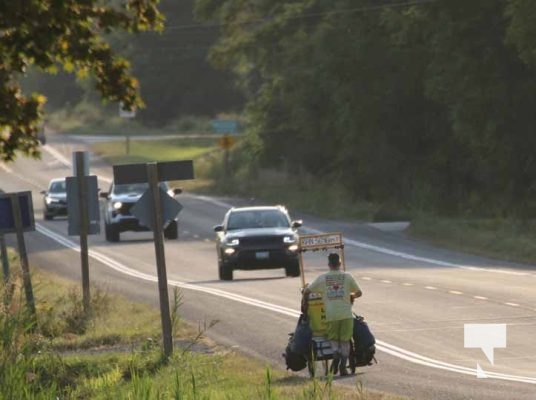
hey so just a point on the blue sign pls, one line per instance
(7, 222)
(224, 126)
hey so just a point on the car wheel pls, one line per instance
(171, 231)
(111, 233)
(225, 272)
(292, 269)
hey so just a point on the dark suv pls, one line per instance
(118, 202)
(257, 238)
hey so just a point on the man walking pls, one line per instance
(338, 290)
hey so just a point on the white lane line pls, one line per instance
(6, 168)
(480, 298)
(455, 292)
(385, 281)
(412, 257)
(430, 362)
(58, 156)
(380, 345)
(513, 304)
(430, 287)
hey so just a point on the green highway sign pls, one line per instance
(224, 126)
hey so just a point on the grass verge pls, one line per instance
(107, 357)
(505, 239)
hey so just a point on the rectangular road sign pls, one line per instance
(224, 126)
(7, 221)
(92, 201)
(321, 241)
(167, 171)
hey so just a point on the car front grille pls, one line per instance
(262, 241)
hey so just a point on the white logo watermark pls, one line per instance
(487, 337)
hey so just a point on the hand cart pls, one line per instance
(314, 306)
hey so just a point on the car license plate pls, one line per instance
(262, 255)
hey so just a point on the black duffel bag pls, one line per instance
(364, 343)
(299, 345)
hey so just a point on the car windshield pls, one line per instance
(257, 219)
(57, 187)
(135, 188)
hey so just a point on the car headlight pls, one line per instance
(229, 251)
(117, 205)
(293, 247)
(232, 242)
(50, 200)
(289, 239)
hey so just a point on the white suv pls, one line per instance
(117, 217)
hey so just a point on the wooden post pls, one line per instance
(27, 282)
(152, 175)
(5, 260)
(302, 274)
(83, 210)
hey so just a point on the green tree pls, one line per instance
(406, 102)
(71, 35)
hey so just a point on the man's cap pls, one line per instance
(333, 259)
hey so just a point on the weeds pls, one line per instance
(175, 316)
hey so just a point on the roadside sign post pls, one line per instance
(153, 214)
(126, 114)
(81, 158)
(5, 260)
(226, 127)
(152, 175)
(23, 254)
(82, 205)
(17, 216)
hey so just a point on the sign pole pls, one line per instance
(82, 201)
(5, 260)
(302, 272)
(226, 164)
(152, 175)
(17, 219)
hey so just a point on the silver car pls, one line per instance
(55, 199)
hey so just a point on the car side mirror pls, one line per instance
(297, 223)
(177, 190)
(43, 192)
(104, 195)
(218, 228)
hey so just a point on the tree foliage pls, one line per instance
(413, 102)
(71, 35)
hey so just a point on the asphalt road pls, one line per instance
(417, 298)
